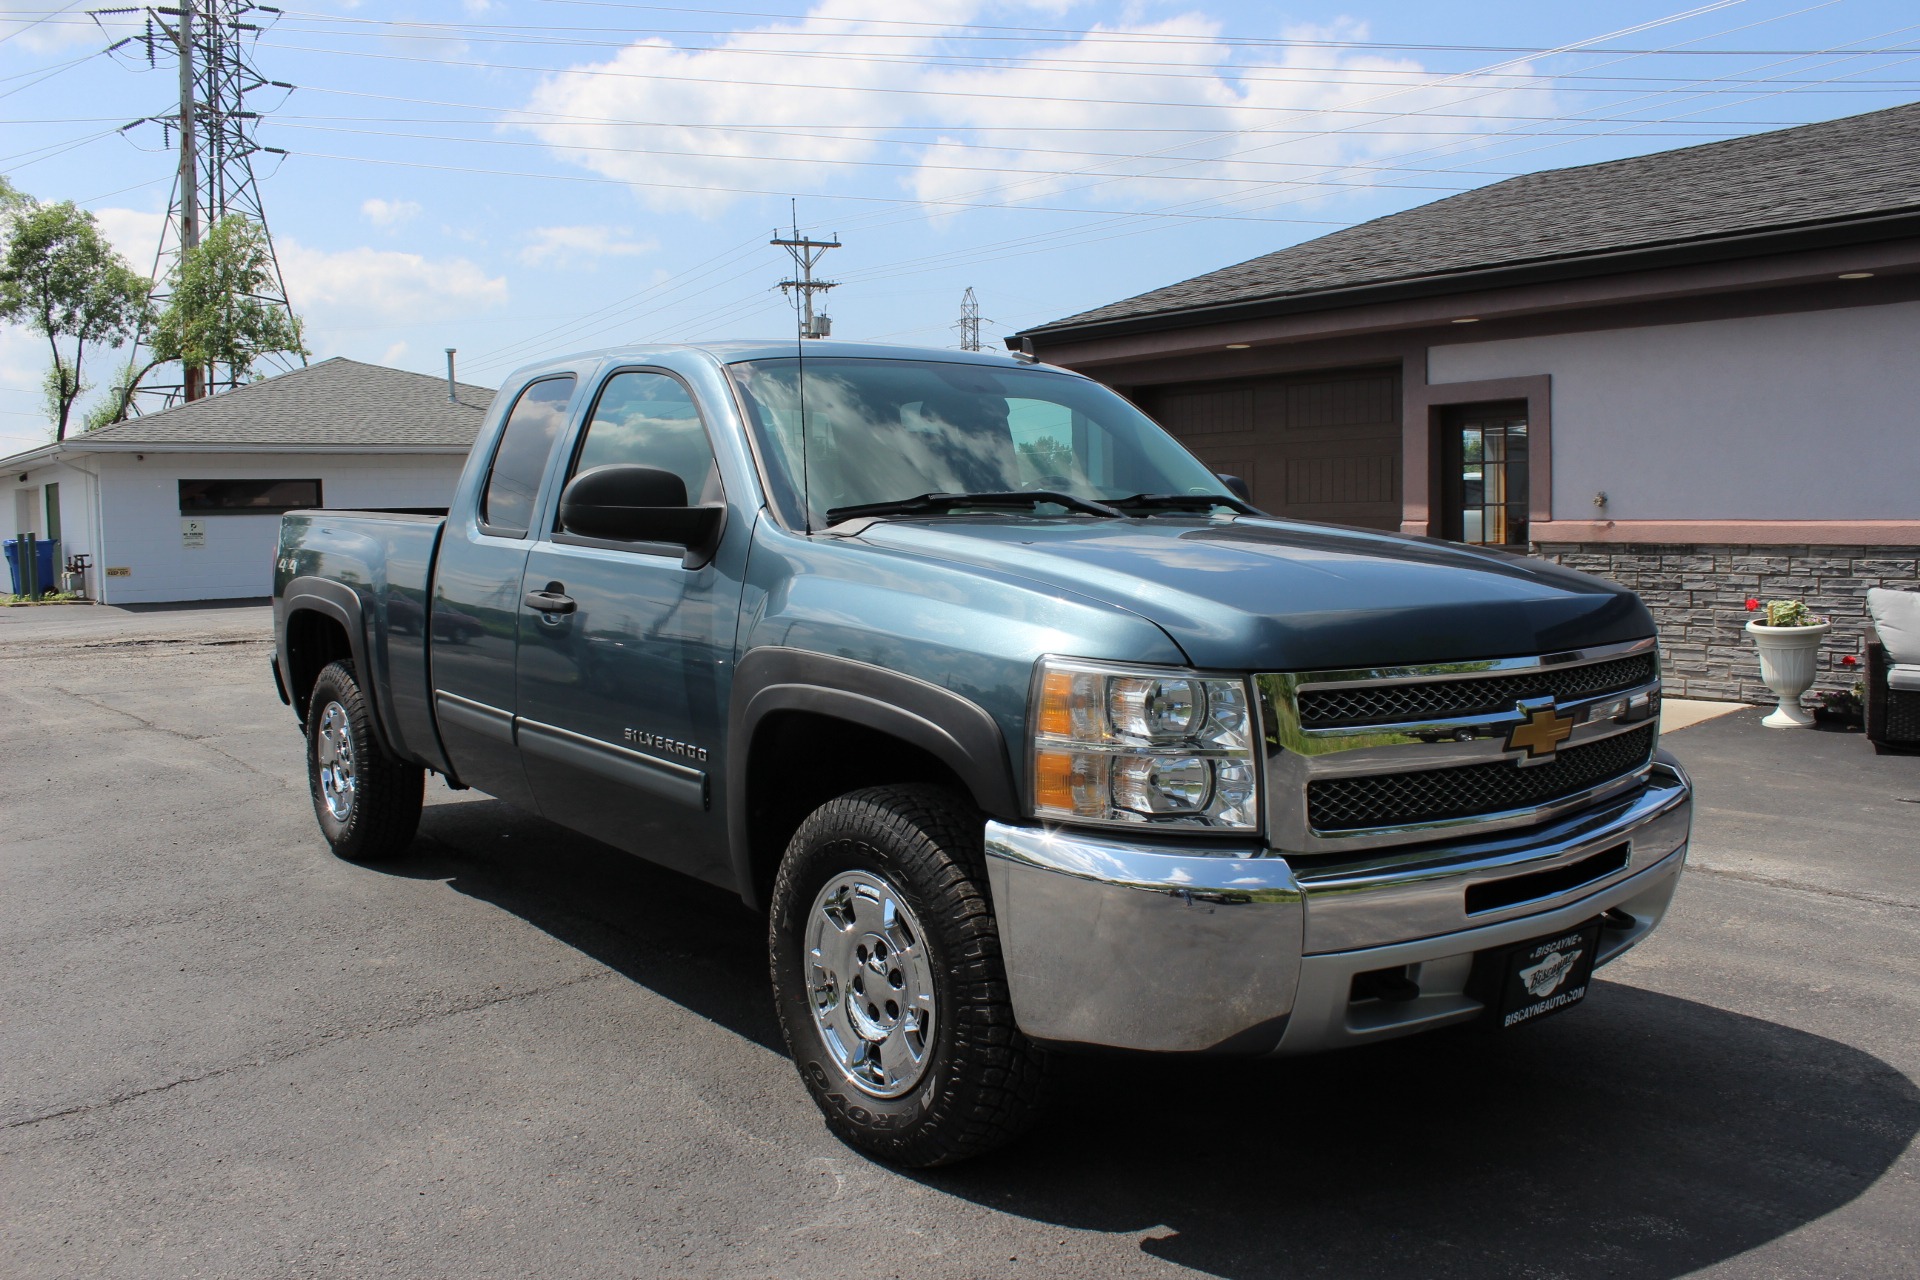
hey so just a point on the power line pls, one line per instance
(48, 16)
(967, 94)
(1104, 67)
(1035, 33)
(817, 131)
(760, 191)
(917, 166)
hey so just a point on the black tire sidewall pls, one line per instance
(836, 851)
(354, 839)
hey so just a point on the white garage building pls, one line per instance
(185, 504)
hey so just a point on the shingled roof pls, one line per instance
(338, 403)
(1856, 167)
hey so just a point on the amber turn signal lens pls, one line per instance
(1053, 780)
(1056, 704)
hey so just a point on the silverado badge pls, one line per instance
(1540, 733)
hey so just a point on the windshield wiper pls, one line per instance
(939, 504)
(1183, 502)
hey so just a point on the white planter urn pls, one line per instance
(1787, 661)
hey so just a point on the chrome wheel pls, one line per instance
(333, 755)
(870, 983)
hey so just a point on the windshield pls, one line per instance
(886, 430)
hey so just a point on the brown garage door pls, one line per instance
(1321, 446)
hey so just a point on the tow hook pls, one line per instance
(1391, 985)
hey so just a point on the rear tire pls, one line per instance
(368, 803)
(888, 980)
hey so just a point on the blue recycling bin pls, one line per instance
(43, 557)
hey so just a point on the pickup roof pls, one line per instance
(1027, 732)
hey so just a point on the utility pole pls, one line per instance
(969, 325)
(215, 178)
(806, 252)
(189, 186)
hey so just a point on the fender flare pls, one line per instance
(954, 730)
(341, 603)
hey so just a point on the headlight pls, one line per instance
(1134, 745)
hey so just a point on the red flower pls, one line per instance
(1849, 660)
(1753, 602)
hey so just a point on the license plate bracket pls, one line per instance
(1527, 981)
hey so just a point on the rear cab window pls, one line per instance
(520, 459)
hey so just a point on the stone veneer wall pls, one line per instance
(1698, 595)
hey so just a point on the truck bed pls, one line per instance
(385, 559)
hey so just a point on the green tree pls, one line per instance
(215, 313)
(60, 278)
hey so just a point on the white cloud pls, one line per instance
(562, 245)
(479, 8)
(388, 213)
(362, 287)
(134, 233)
(727, 85)
(23, 363)
(1265, 134)
(394, 354)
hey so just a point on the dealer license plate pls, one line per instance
(1546, 975)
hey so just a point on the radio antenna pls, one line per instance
(806, 472)
(806, 253)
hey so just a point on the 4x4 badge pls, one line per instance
(1540, 733)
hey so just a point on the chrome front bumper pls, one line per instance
(1162, 948)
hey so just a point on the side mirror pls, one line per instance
(1237, 485)
(625, 502)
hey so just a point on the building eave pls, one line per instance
(361, 450)
(31, 458)
(1831, 234)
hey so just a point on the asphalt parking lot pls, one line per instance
(225, 1053)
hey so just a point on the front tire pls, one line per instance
(888, 980)
(368, 803)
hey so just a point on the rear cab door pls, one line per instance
(622, 700)
(474, 624)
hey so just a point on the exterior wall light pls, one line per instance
(1238, 346)
(1467, 320)
(1856, 275)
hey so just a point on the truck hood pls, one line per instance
(1273, 595)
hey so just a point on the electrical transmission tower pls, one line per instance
(807, 252)
(969, 325)
(213, 126)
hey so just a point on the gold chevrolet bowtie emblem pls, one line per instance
(1543, 730)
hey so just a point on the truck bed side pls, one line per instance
(356, 584)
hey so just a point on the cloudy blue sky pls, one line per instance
(518, 178)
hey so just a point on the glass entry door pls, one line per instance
(1484, 474)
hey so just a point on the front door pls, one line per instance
(1484, 463)
(622, 701)
(475, 616)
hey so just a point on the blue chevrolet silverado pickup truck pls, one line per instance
(1025, 731)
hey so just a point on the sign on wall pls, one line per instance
(193, 533)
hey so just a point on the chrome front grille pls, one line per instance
(1358, 760)
(1430, 795)
(1445, 699)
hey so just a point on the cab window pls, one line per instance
(513, 482)
(649, 418)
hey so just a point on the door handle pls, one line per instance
(548, 602)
